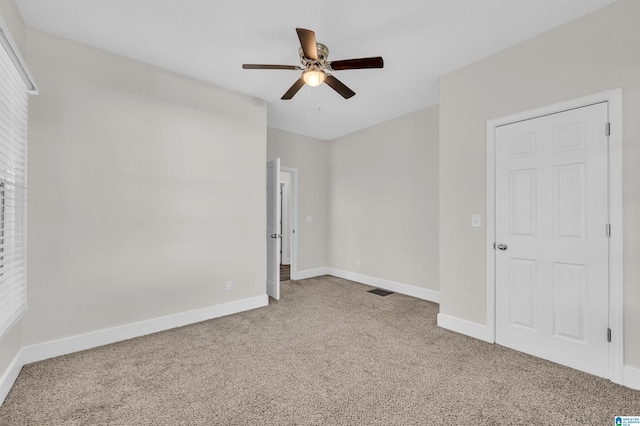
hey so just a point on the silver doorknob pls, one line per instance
(502, 247)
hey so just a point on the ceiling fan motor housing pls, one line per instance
(323, 55)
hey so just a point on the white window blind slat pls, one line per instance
(5, 104)
(4, 84)
(13, 164)
(5, 122)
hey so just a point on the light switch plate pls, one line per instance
(476, 220)
(309, 218)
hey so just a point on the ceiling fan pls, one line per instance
(315, 64)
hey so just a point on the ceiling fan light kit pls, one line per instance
(315, 64)
(313, 77)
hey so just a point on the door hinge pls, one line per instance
(607, 230)
(608, 129)
(494, 246)
(608, 334)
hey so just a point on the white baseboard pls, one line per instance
(9, 377)
(631, 377)
(42, 351)
(94, 339)
(409, 290)
(468, 328)
(310, 273)
(72, 344)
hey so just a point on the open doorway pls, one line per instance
(288, 223)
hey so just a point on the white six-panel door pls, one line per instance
(552, 287)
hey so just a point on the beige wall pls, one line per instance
(592, 54)
(310, 156)
(132, 214)
(384, 200)
(11, 342)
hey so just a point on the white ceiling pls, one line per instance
(210, 39)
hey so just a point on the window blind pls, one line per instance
(13, 193)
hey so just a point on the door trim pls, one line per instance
(616, 301)
(284, 218)
(293, 220)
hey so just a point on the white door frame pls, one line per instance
(293, 220)
(284, 221)
(616, 301)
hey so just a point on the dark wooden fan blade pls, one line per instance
(308, 43)
(293, 89)
(270, 67)
(356, 64)
(339, 86)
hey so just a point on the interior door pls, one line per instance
(552, 268)
(273, 228)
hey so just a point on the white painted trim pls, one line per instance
(616, 300)
(616, 251)
(94, 339)
(631, 377)
(409, 290)
(67, 345)
(6, 41)
(311, 273)
(284, 220)
(468, 328)
(294, 221)
(9, 377)
(490, 303)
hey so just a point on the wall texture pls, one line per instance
(384, 200)
(311, 157)
(132, 214)
(592, 54)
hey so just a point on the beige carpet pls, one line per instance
(328, 353)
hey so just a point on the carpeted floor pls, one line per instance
(327, 353)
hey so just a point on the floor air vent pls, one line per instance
(380, 292)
